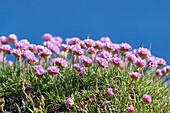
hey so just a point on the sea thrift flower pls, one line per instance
(98, 45)
(131, 57)
(38, 67)
(89, 42)
(64, 47)
(47, 37)
(168, 69)
(6, 49)
(31, 60)
(60, 62)
(16, 52)
(91, 50)
(152, 62)
(116, 48)
(52, 70)
(77, 50)
(22, 44)
(28, 89)
(79, 67)
(58, 39)
(69, 102)
(4, 40)
(147, 99)
(135, 52)
(75, 40)
(81, 74)
(130, 109)
(105, 39)
(144, 53)
(109, 46)
(164, 71)
(54, 48)
(106, 55)
(140, 63)
(12, 38)
(83, 45)
(40, 72)
(161, 62)
(32, 48)
(62, 54)
(109, 92)
(125, 47)
(40, 48)
(135, 75)
(86, 61)
(45, 53)
(117, 61)
(158, 72)
(26, 54)
(102, 62)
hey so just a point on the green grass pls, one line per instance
(86, 97)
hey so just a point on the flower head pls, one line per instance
(12, 38)
(31, 60)
(140, 63)
(144, 53)
(109, 92)
(47, 37)
(60, 62)
(109, 46)
(135, 75)
(45, 53)
(152, 62)
(125, 47)
(102, 62)
(58, 39)
(69, 102)
(105, 39)
(117, 62)
(106, 55)
(52, 70)
(83, 45)
(86, 61)
(38, 67)
(98, 45)
(28, 89)
(27, 53)
(79, 67)
(158, 72)
(89, 42)
(130, 109)
(147, 99)
(16, 52)
(32, 48)
(4, 40)
(131, 57)
(91, 50)
(6, 49)
(40, 72)
(81, 73)
(161, 62)
(65, 47)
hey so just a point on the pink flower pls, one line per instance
(86, 61)
(144, 53)
(31, 60)
(22, 44)
(47, 37)
(32, 48)
(6, 49)
(4, 40)
(161, 62)
(109, 92)
(81, 73)
(58, 39)
(40, 72)
(117, 62)
(65, 47)
(78, 67)
(26, 54)
(45, 53)
(158, 72)
(106, 55)
(75, 40)
(131, 57)
(12, 38)
(91, 50)
(135, 75)
(109, 46)
(102, 62)
(38, 67)
(168, 69)
(40, 48)
(125, 47)
(16, 52)
(140, 63)
(98, 45)
(164, 71)
(69, 102)
(54, 48)
(147, 99)
(152, 62)
(130, 109)
(83, 45)
(105, 39)
(77, 50)
(89, 42)
(52, 70)
(116, 48)
(60, 62)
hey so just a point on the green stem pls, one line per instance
(38, 85)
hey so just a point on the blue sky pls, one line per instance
(132, 21)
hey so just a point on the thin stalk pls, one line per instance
(38, 85)
(113, 73)
(55, 84)
(4, 61)
(96, 78)
(30, 75)
(88, 71)
(14, 63)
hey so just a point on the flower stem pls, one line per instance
(38, 85)
(96, 78)
(4, 61)
(55, 84)
(113, 73)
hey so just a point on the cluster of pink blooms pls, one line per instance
(102, 52)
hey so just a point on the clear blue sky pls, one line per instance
(132, 21)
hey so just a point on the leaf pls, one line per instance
(19, 110)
